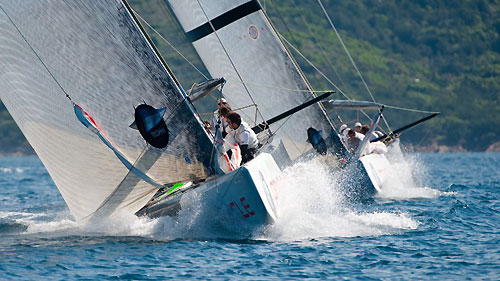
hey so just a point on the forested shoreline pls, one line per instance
(430, 55)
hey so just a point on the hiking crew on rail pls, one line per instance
(243, 135)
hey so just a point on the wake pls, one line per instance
(311, 204)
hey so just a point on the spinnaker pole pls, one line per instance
(265, 125)
(397, 131)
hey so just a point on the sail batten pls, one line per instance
(95, 53)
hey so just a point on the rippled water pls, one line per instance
(442, 225)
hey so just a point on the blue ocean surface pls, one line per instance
(439, 220)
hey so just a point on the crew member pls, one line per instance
(357, 127)
(243, 135)
(353, 140)
(217, 120)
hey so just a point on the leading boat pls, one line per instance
(115, 129)
(108, 119)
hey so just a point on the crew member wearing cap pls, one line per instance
(342, 129)
(343, 132)
(357, 127)
(218, 121)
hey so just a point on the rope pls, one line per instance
(324, 76)
(182, 56)
(313, 66)
(288, 30)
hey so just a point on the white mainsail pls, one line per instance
(54, 54)
(246, 51)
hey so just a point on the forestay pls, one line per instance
(93, 54)
(250, 52)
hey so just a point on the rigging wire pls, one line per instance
(229, 80)
(320, 72)
(294, 62)
(73, 103)
(411, 110)
(135, 19)
(336, 87)
(353, 63)
(170, 44)
(39, 58)
(192, 65)
(313, 66)
(345, 49)
(179, 33)
(235, 81)
(295, 49)
(287, 29)
(66, 94)
(257, 111)
(228, 57)
(327, 58)
(350, 57)
(291, 45)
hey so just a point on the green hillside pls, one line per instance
(430, 55)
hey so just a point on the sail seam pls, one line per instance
(223, 20)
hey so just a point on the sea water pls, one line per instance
(440, 219)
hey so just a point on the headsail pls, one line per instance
(246, 51)
(93, 53)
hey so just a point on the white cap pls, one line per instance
(222, 100)
(357, 124)
(342, 128)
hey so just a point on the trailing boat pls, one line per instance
(378, 152)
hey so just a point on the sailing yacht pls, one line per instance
(109, 120)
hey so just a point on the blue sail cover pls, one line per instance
(151, 125)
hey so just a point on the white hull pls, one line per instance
(378, 169)
(386, 167)
(241, 198)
